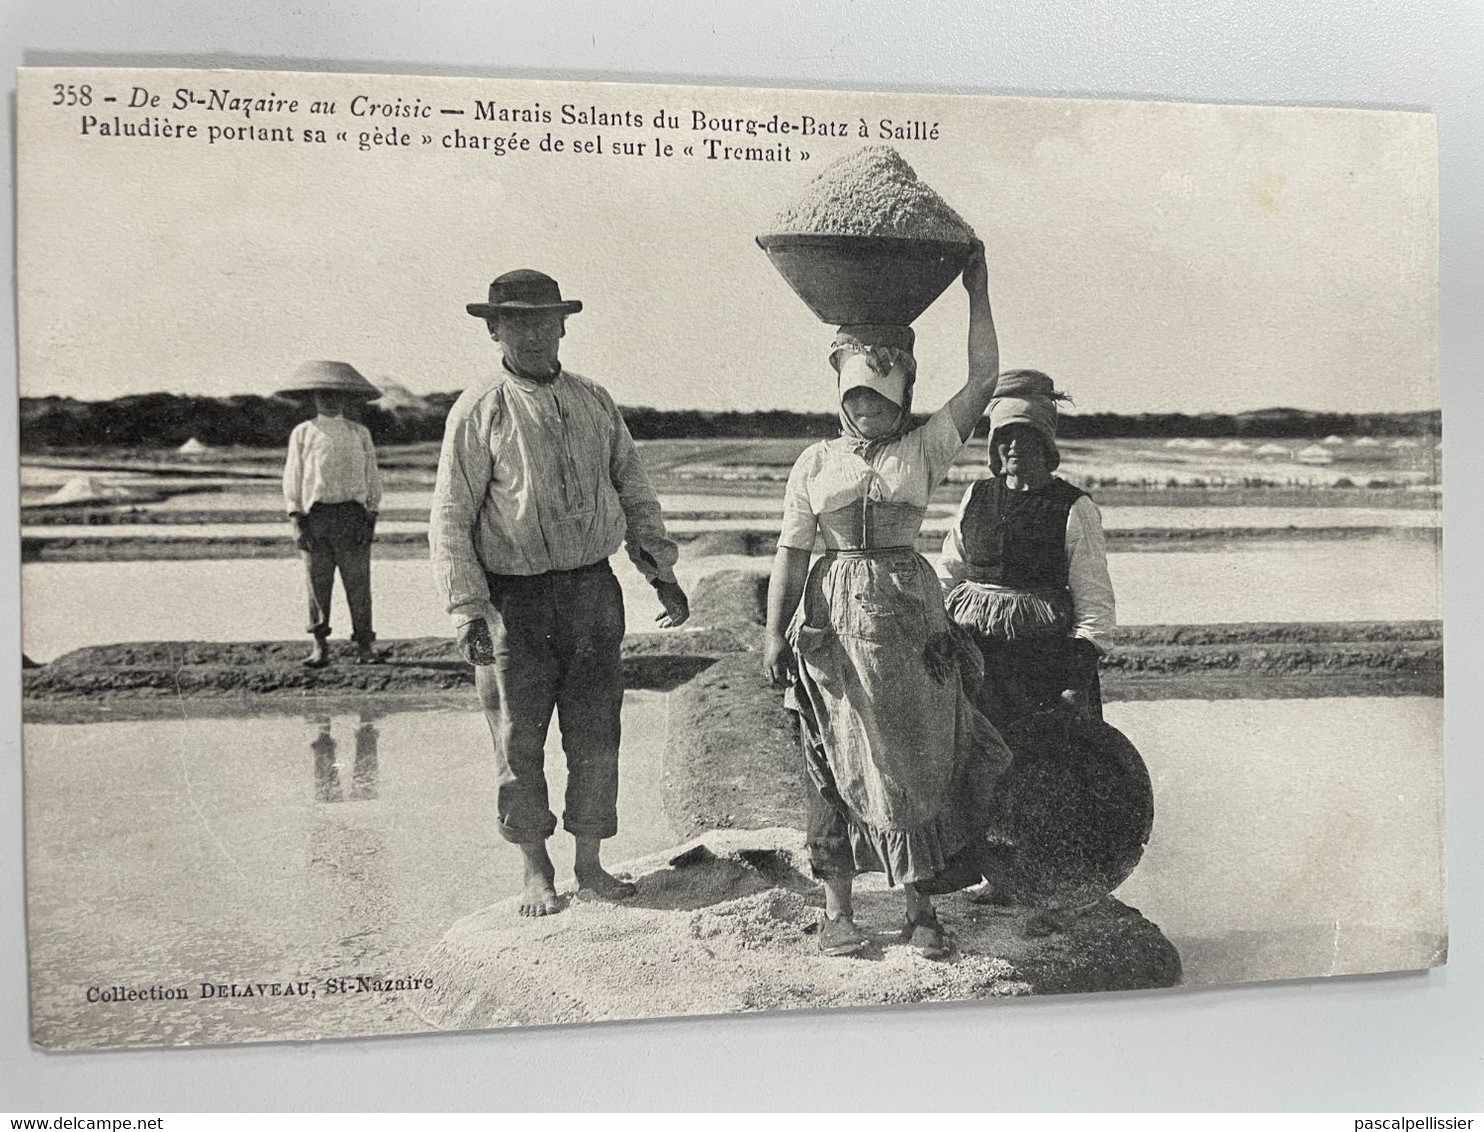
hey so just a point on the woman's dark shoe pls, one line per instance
(840, 936)
(993, 899)
(927, 934)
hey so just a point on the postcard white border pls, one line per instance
(1400, 1041)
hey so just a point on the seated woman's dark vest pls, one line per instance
(1018, 538)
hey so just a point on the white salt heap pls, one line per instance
(872, 192)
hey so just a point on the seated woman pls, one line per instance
(1026, 565)
(901, 768)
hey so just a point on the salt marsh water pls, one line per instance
(173, 532)
(1291, 837)
(275, 848)
(71, 604)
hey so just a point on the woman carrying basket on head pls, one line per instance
(901, 768)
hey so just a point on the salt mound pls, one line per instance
(872, 192)
(87, 489)
(724, 924)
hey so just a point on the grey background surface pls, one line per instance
(1392, 1043)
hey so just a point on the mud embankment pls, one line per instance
(1146, 661)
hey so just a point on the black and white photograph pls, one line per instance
(513, 552)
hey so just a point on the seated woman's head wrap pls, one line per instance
(1025, 396)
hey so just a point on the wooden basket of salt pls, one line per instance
(865, 279)
(868, 242)
(1080, 807)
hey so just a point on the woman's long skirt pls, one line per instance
(904, 768)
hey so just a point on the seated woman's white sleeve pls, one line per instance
(1093, 610)
(952, 568)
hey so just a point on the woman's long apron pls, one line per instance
(1015, 602)
(890, 735)
(1030, 657)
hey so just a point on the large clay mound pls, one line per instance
(725, 924)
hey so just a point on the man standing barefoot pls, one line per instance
(539, 483)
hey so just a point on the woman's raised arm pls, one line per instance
(968, 404)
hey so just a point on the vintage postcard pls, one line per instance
(510, 552)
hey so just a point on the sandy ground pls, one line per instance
(726, 923)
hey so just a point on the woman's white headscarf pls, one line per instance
(890, 370)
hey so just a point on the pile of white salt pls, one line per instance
(872, 192)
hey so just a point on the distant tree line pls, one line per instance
(167, 420)
(1277, 423)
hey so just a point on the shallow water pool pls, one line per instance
(174, 852)
(70, 604)
(1292, 837)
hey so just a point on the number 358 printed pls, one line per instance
(67, 94)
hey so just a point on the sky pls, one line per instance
(1152, 257)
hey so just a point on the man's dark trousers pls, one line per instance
(339, 536)
(557, 638)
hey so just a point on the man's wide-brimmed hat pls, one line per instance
(329, 377)
(523, 291)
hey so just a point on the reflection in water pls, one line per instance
(363, 780)
(350, 876)
(327, 768)
(236, 855)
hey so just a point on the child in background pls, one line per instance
(332, 490)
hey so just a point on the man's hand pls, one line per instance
(677, 605)
(778, 660)
(301, 531)
(475, 644)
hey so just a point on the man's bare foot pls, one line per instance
(538, 897)
(319, 654)
(604, 884)
(593, 877)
